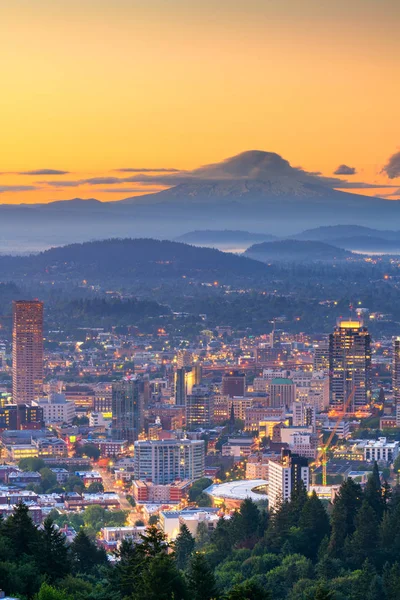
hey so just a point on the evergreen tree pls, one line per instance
(21, 531)
(364, 542)
(161, 580)
(183, 547)
(373, 492)
(248, 590)
(52, 552)
(248, 521)
(201, 580)
(322, 593)
(343, 520)
(153, 542)
(314, 524)
(127, 573)
(85, 554)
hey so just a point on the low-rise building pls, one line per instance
(238, 447)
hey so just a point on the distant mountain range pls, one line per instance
(258, 191)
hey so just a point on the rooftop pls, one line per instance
(238, 490)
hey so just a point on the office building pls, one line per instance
(321, 356)
(56, 409)
(304, 415)
(285, 476)
(199, 407)
(21, 416)
(27, 351)
(127, 410)
(282, 392)
(349, 365)
(233, 384)
(180, 386)
(103, 398)
(166, 461)
(184, 358)
(396, 377)
(380, 450)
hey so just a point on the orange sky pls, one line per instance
(89, 86)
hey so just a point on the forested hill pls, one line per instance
(134, 258)
(295, 251)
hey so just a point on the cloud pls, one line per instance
(392, 167)
(254, 165)
(122, 190)
(16, 188)
(43, 172)
(147, 170)
(389, 194)
(345, 170)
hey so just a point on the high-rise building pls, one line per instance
(166, 461)
(127, 410)
(199, 407)
(184, 358)
(103, 398)
(180, 386)
(349, 365)
(285, 476)
(321, 356)
(396, 377)
(282, 392)
(27, 351)
(233, 384)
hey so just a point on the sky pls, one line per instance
(90, 87)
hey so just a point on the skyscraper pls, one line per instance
(349, 365)
(27, 351)
(127, 410)
(396, 377)
(180, 386)
(199, 407)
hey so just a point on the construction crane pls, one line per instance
(321, 458)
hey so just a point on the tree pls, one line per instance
(248, 590)
(95, 488)
(314, 524)
(31, 464)
(364, 542)
(91, 451)
(48, 592)
(201, 580)
(85, 554)
(161, 580)
(373, 492)
(21, 531)
(183, 547)
(52, 552)
(322, 593)
(74, 484)
(197, 488)
(343, 520)
(49, 479)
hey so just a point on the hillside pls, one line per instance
(296, 251)
(341, 232)
(129, 260)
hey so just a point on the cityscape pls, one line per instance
(200, 300)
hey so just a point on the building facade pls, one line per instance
(166, 461)
(127, 410)
(349, 366)
(27, 351)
